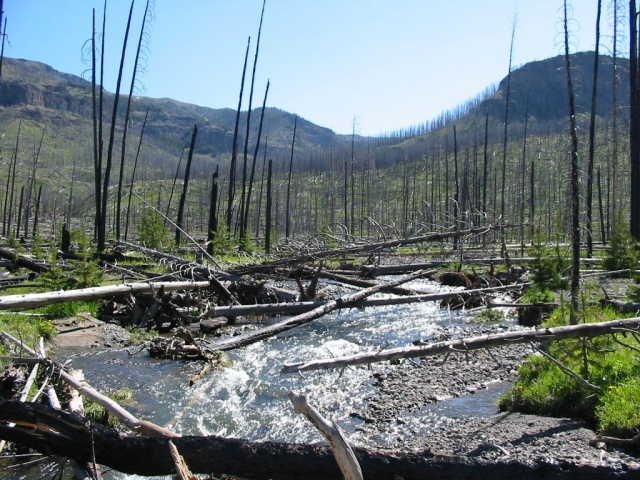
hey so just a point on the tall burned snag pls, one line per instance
(212, 224)
(293, 143)
(185, 185)
(575, 201)
(634, 134)
(267, 221)
(234, 148)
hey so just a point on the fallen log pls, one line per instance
(369, 247)
(60, 433)
(295, 308)
(467, 344)
(622, 307)
(23, 261)
(34, 300)
(284, 325)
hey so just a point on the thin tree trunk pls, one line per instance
(133, 173)
(126, 121)
(267, 221)
(253, 164)
(234, 151)
(505, 139)
(98, 172)
(185, 185)
(212, 225)
(603, 233)
(574, 179)
(293, 142)
(102, 231)
(592, 133)
(37, 212)
(244, 202)
(634, 134)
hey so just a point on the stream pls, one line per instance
(249, 398)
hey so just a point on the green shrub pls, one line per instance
(536, 294)
(549, 265)
(85, 272)
(152, 232)
(222, 242)
(488, 316)
(623, 249)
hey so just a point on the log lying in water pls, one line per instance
(34, 300)
(465, 344)
(53, 432)
(284, 325)
(301, 307)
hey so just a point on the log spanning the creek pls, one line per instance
(34, 300)
(53, 432)
(284, 325)
(295, 308)
(467, 344)
(369, 247)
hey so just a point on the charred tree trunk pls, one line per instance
(234, 150)
(185, 185)
(592, 133)
(102, 231)
(133, 174)
(212, 225)
(287, 213)
(574, 179)
(126, 122)
(267, 221)
(37, 212)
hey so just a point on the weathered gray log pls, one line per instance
(465, 344)
(34, 300)
(130, 420)
(342, 451)
(64, 434)
(284, 325)
(23, 261)
(370, 247)
(295, 308)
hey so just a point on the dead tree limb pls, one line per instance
(284, 325)
(342, 451)
(472, 343)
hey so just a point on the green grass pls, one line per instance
(542, 388)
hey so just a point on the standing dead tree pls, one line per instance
(185, 185)
(574, 178)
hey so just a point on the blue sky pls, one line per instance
(390, 63)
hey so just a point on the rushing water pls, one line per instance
(249, 398)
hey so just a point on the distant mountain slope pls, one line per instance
(541, 88)
(41, 95)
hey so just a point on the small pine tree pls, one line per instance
(623, 249)
(151, 231)
(222, 242)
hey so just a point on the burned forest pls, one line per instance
(225, 289)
